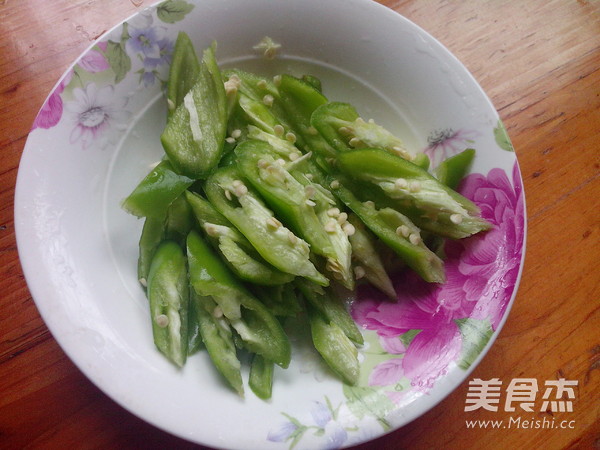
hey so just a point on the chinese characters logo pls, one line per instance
(521, 393)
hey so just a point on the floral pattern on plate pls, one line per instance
(86, 95)
(430, 328)
(410, 344)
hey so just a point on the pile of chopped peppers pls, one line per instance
(271, 200)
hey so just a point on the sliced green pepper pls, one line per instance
(229, 157)
(332, 219)
(250, 266)
(343, 128)
(328, 118)
(242, 258)
(334, 346)
(183, 72)
(194, 336)
(434, 206)
(258, 328)
(242, 206)
(452, 170)
(175, 226)
(168, 293)
(295, 204)
(154, 194)
(257, 162)
(153, 233)
(258, 98)
(209, 59)
(313, 81)
(422, 160)
(364, 252)
(299, 100)
(332, 308)
(449, 172)
(280, 145)
(194, 136)
(179, 220)
(218, 340)
(397, 231)
(261, 377)
(281, 300)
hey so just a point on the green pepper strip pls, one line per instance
(243, 260)
(258, 98)
(175, 226)
(335, 347)
(257, 162)
(168, 294)
(299, 100)
(298, 205)
(218, 340)
(364, 252)
(396, 231)
(452, 170)
(194, 136)
(281, 300)
(313, 81)
(334, 222)
(194, 336)
(280, 145)
(344, 130)
(154, 194)
(259, 330)
(242, 206)
(183, 72)
(332, 308)
(152, 235)
(433, 206)
(261, 377)
(179, 221)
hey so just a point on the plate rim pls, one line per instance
(37, 294)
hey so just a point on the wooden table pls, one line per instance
(538, 60)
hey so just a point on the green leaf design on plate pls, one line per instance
(125, 34)
(298, 433)
(476, 333)
(374, 355)
(173, 11)
(502, 138)
(407, 337)
(369, 401)
(118, 59)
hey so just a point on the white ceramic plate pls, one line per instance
(98, 134)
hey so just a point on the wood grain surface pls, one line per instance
(538, 60)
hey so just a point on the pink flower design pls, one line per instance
(387, 373)
(94, 61)
(52, 109)
(481, 276)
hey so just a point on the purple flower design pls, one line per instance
(448, 142)
(150, 66)
(165, 47)
(283, 433)
(322, 421)
(152, 46)
(481, 275)
(144, 41)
